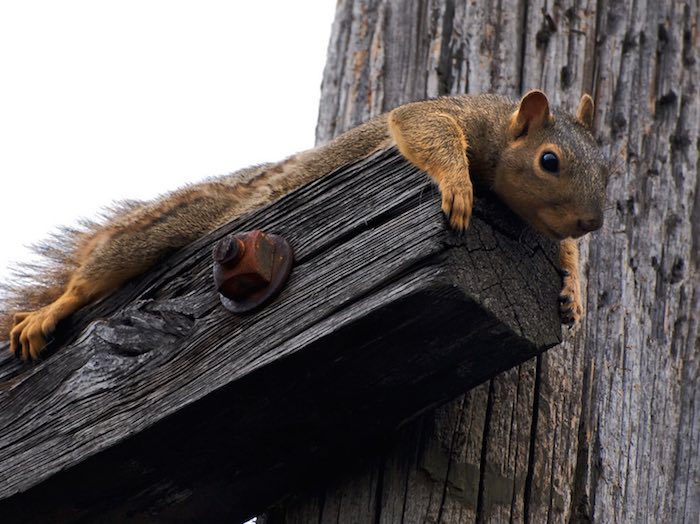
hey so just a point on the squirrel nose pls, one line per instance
(590, 224)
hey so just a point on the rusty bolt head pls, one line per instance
(228, 251)
(250, 268)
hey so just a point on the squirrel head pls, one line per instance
(551, 171)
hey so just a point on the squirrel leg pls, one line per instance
(570, 301)
(124, 249)
(103, 267)
(30, 333)
(434, 142)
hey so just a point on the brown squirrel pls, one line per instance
(545, 166)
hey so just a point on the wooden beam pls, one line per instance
(163, 404)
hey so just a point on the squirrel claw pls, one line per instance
(457, 205)
(570, 303)
(565, 299)
(28, 336)
(567, 318)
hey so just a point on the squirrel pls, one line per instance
(544, 165)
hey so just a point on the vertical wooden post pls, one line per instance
(606, 427)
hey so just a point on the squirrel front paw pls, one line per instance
(570, 301)
(29, 335)
(457, 202)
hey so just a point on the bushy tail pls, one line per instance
(34, 285)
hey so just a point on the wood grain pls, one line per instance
(162, 405)
(606, 427)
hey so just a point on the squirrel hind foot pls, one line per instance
(28, 337)
(31, 331)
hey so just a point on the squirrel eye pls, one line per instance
(549, 162)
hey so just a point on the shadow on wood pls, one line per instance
(162, 405)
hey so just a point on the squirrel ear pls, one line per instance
(532, 113)
(584, 113)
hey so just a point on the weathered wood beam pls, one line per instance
(163, 404)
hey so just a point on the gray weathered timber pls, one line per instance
(164, 406)
(606, 427)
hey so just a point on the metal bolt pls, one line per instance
(228, 251)
(250, 269)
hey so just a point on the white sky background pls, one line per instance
(106, 100)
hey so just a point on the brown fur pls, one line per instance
(570, 296)
(454, 139)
